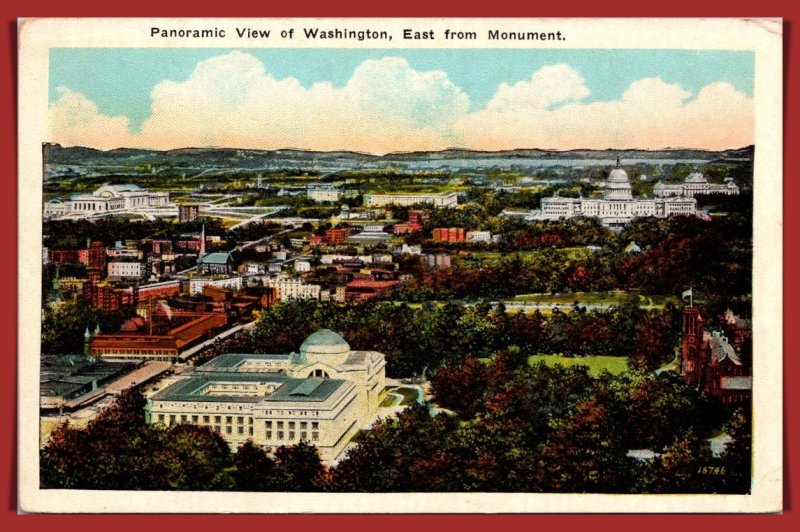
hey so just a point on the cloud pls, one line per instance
(549, 85)
(231, 100)
(76, 120)
(651, 114)
(386, 105)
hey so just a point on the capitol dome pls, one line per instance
(618, 187)
(324, 345)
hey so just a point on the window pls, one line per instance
(228, 430)
(315, 436)
(216, 428)
(315, 425)
(291, 425)
(280, 424)
(303, 424)
(228, 419)
(268, 424)
(250, 420)
(280, 434)
(250, 430)
(161, 418)
(172, 419)
(240, 420)
(217, 419)
(194, 419)
(241, 429)
(206, 419)
(304, 436)
(183, 419)
(291, 435)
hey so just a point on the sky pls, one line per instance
(380, 101)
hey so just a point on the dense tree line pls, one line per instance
(418, 338)
(119, 450)
(64, 326)
(535, 429)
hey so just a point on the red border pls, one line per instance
(449, 8)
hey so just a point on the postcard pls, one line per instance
(400, 265)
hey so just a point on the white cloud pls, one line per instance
(76, 120)
(651, 114)
(549, 85)
(232, 100)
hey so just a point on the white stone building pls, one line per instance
(323, 193)
(618, 206)
(196, 284)
(294, 289)
(322, 395)
(441, 199)
(127, 270)
(108, 199)
(695, 184)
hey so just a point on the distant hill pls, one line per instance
(191, 157)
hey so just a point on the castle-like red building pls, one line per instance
(718, 361)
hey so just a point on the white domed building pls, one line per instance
(695, 184)
(618, 206)
(322, 394)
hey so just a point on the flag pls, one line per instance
(687, 293)
(167, 310)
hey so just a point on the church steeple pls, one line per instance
(203, 241)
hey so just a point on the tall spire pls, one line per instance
(203, 241)
(618, 163)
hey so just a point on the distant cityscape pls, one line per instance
(292, 306)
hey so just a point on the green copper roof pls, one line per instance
(323, 337)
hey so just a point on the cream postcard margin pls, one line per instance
(762, 36)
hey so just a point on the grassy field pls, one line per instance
(597, 298)
(596, 364)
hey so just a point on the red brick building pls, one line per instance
(183, 330)
(449, 234)
(337, 235)
(718, 361)
(362, 289)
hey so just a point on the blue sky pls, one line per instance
(119, 80)
(380, 100)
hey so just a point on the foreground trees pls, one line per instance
(534, 429)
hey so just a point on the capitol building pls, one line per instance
(618, 206)
(322, 394)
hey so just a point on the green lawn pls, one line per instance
(597, 298)
(596, 364)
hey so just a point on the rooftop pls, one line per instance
(216, 258)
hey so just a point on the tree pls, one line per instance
(254, 469)
(298, 468)
(461, 387)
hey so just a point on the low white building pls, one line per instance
(440, 199)
(196, 284)
(108, 199)
(479, 236)
(127, 270)
(696, 184)
(321, 395)
(323, 193)
(294, 289)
